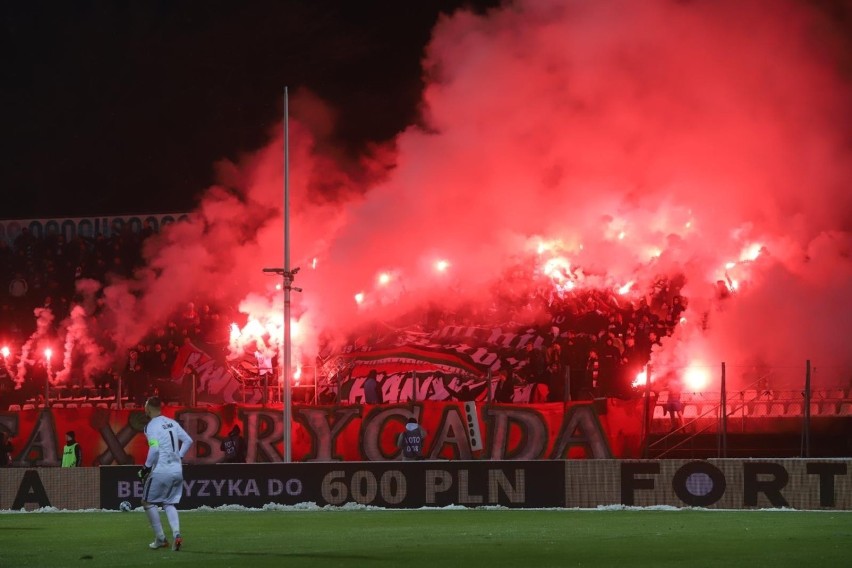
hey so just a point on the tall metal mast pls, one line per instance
(289, 275)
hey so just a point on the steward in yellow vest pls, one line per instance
(72, 456)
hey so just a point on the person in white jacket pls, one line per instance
(168, 444)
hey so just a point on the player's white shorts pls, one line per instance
(163, 488)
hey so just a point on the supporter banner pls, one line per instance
(407, 374)
(411, 366)
(405, 385)
(216, 381)
(713, 483)
(87, 227)
(384, 484)
(414, 365)
(423, 357)
(610, 428)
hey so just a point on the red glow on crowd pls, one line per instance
(642, 161)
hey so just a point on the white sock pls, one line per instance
(154, 518)
(172, 516)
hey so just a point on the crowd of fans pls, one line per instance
(582, 344)
(594, 345)
(43, 272)
(592, 342)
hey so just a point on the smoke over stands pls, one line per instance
(611, 141)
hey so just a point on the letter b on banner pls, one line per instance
(473, 426)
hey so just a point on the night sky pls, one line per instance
(113, 108)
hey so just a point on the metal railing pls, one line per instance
(752, 409)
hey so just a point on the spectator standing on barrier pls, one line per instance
(536, 364)
(168, 444)
(411, 440)
(609, 358)
(234, 446)
(5, 450)
(372, 389)
(505, 390)
(264, 363)
(554, 356)
(555, 384)
(135, 378)
(589, 386)
(72, 455)
(674, 406)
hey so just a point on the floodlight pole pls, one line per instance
(806, 427)
(723, 416)
(284, 352)
(47, 386)
(647, 413)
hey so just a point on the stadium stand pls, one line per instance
(690, 411)
(49, 267)
(776, 409)
(759, 410)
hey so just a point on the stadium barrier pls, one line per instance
(805, 484)
(713, 483)
(64, 488)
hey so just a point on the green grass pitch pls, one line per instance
(434, 538)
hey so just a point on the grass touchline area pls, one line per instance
(448, 537)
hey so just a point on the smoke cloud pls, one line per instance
(629, 139)
(709, 139)
(38, 340)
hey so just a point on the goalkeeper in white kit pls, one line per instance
(168, 443)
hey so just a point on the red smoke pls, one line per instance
(648, 138)
(628, 139)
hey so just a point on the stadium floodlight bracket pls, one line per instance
(289, 276)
